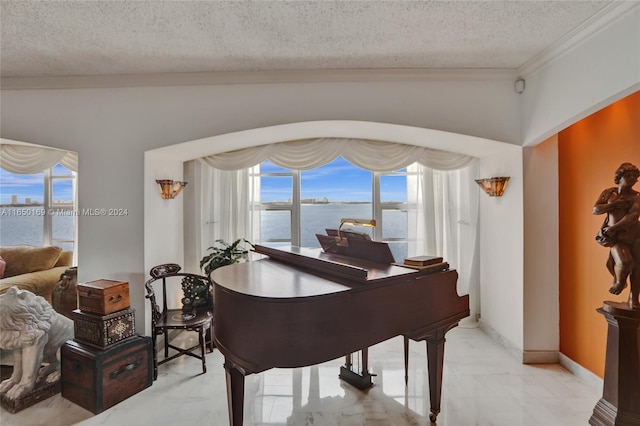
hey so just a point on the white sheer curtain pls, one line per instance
(25, 159)
(443, 212)
(226, 206)
(307, 154)
(443, 202)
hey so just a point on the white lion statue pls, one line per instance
(34, 332)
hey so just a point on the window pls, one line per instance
(391, 211)
(278, 209)
(22, 211)
(297, 204)
(38, 209)
(60, 224)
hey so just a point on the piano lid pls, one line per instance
(275, 281)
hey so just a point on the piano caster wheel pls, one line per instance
(432, 417)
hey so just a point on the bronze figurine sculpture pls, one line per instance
(621, 231)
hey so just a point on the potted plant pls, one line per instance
(223, 253)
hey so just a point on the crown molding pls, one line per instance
(255, 77)
(604, 18)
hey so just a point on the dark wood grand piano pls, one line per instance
(301, 307)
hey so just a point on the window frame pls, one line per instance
(58, 209)
(379, 207)
(295, 207)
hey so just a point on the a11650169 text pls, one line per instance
(63, 212)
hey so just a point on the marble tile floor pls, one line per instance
(483, 385)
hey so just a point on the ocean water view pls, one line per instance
(315, 218)
(25, 225)
(23, 222)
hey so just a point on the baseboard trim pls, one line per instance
(501, 340)
(582, 373)
(525, 357)
(545, 357)
(540, 357)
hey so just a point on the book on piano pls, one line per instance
(423, 260)
(428, 269)
(425, 264)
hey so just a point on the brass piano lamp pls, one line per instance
(369, 223)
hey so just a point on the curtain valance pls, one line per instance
(24, 159)
(308, 154)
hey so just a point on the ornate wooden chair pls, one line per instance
(196, 313)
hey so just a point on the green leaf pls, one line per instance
(223, 253)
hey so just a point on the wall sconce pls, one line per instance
(494, 186)
(370, 223)
(169, 188)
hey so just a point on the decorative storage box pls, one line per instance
(103, 297)
(102, 331)
(97, 380)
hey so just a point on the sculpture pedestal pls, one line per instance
(620, 402)
(40, 392)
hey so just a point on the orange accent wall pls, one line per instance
(589, 152)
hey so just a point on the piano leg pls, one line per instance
(406, 360)
(235, 393)
(435, 361)
(365, 362)
(347, 361)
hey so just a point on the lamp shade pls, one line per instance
(169, 189)
(493, 186)
(370, 223)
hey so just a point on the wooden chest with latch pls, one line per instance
(102, 331)
(103, 297)
(96, 379)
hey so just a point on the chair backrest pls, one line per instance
(196, 289)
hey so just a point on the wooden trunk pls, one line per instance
(97, 380)
(102, 331)
(103, 297)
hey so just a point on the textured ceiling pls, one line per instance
(63, 38)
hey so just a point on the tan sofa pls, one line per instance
(36, 269)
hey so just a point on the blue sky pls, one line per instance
(338, 181)
(32, 186)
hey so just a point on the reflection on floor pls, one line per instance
(483, 385)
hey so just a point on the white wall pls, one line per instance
(111, 128)
(501, 251)
(541, 253)
(601, 69)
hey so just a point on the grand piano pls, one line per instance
(299, 307)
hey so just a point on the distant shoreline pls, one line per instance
(330, 202)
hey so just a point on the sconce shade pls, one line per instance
(494, 186)
(169, 189)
